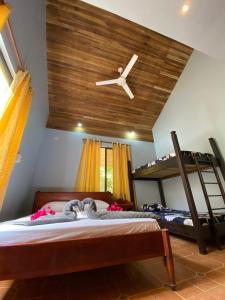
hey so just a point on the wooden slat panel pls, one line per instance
(87, 44)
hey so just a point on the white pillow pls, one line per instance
(101, 205)
(57, 206)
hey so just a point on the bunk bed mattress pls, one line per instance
(11, 234)
(202, 157)
(184, 217)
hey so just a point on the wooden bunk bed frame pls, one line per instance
(29, 260)
(182, 165)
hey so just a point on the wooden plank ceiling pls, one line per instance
(87, 44)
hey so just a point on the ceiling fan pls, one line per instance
(121, 81)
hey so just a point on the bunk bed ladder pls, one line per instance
(214, 167)
(187, 188)
(206, 195)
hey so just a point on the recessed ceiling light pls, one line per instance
(131, 134)
(79, 127)
(185, 8)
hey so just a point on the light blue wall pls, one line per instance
(196, 110)
(28, 22)
(59, 159)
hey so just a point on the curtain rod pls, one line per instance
(107, 142)
(13, 42)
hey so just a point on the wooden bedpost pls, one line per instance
(161, 192)
(218, 155)
(189, 195)
(131, 185)
(168, 259)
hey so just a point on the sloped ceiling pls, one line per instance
(87, 44)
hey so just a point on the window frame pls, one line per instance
(9, 71)
(6, 56)
(106, 149)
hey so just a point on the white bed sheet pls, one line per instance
(80, 229)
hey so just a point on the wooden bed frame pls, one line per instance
(41, 198)
(51, 258)
(182, 165)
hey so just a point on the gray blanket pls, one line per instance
(49, 219)
(103, 215)
(89, 207)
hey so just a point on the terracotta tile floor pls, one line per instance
(198, 277)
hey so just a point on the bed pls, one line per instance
(181, 163)
(50, 250)
(180, 222)
(184, 217)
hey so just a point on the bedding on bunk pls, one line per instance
(201, 157)
(183, 217)
(153, 162)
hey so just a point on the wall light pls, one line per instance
(79, 124)
(185, 8)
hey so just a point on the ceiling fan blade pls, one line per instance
(129, 66)
(128, 91)
(106, 82)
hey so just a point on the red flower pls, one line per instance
(114, 207)
(42, 212)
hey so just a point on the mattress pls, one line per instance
(202, 157)
(82, 228)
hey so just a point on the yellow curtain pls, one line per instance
(4, 14)
(88, 177)
(121, 156)
(12, 124)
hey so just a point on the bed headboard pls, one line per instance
(41, 198)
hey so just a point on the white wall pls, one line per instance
(202, 28)
(59, 159)
(196, 110)
(28, 23)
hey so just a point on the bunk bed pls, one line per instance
(182, 163)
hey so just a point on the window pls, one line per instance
(6, 76)
(106, 170)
